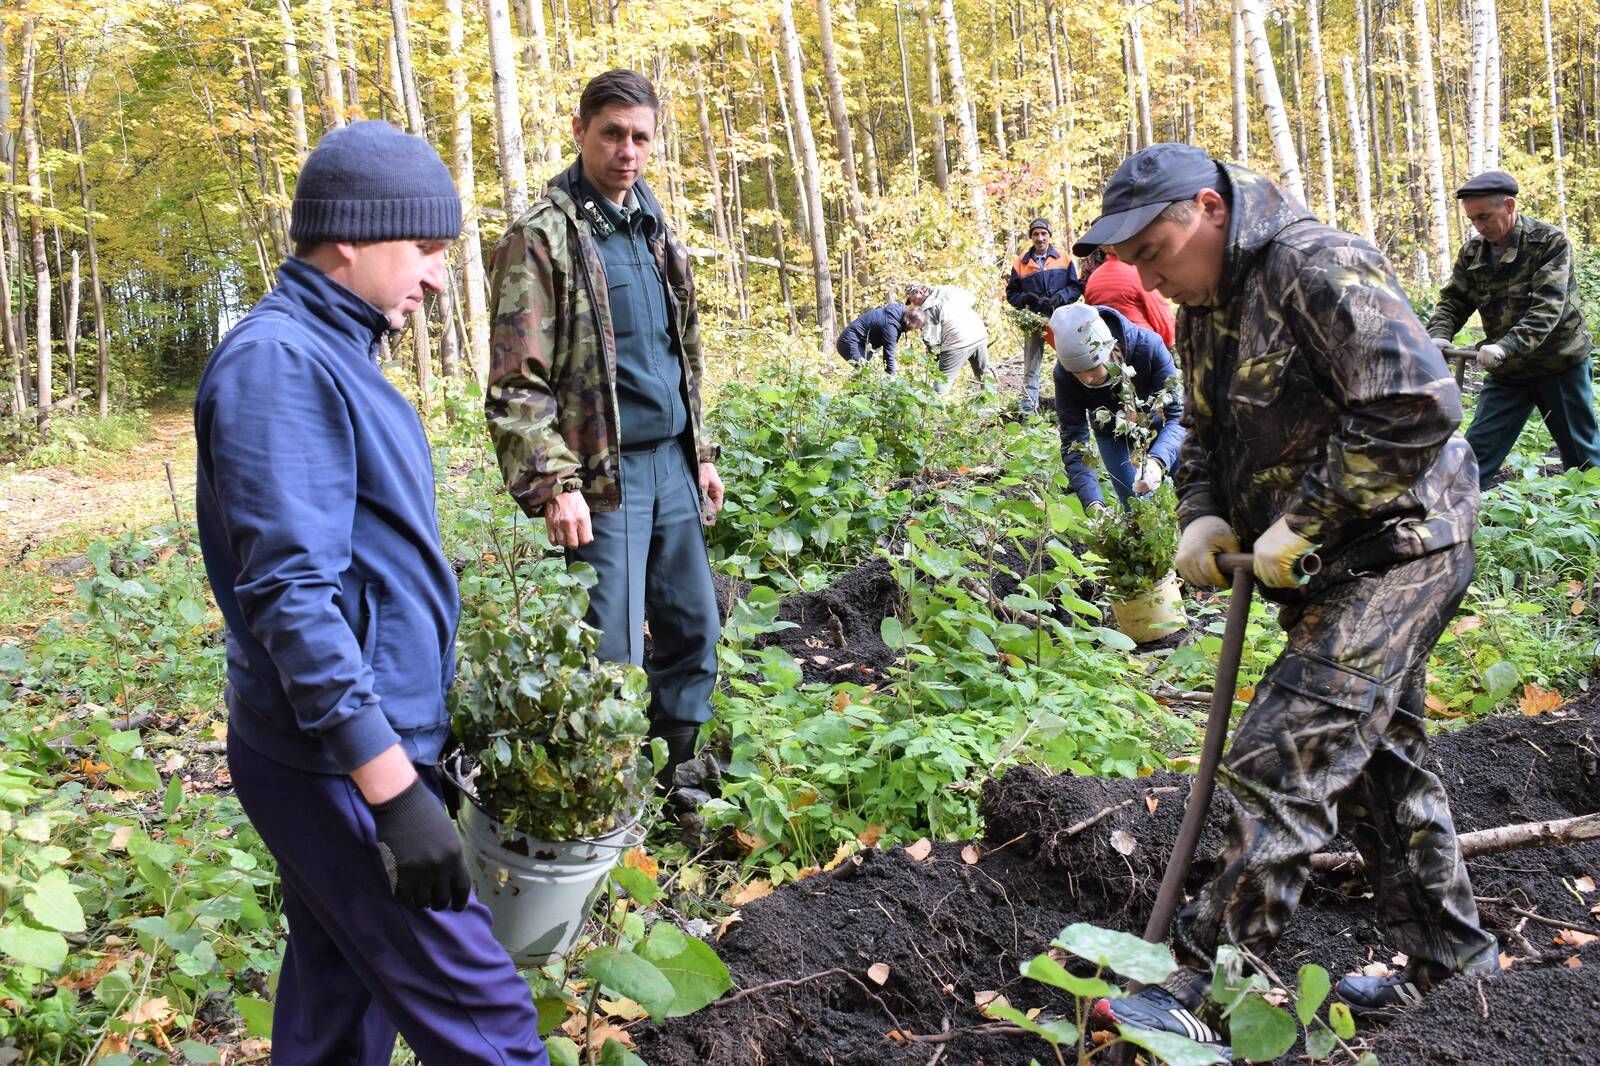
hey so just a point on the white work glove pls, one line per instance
(1149, 478)
(1276, 552)
(1440, 343)
(1491, 356)
(1198, 547)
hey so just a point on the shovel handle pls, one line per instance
(1458, 361)
(1308, 565)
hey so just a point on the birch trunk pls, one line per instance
(1491, 97)
(796, 170)
(407, 77)
(1555, 113)
(15, 357)
(352, 68)
(708, 145)
(291, 77)
(1272, 98)
(1479, 46)
(736, 203)
(1358, 143)
(813, 178)
(1369, 98)
(840, 117)
(769, 173)
(102, 349)
(972, 161)
(1141, 78)
(905, 87)
(1319, 87)
(470, 245)
(1428, 105)
(332, 76)
(941, 146)
(41, 263)
(1238, 79)
(507, 112)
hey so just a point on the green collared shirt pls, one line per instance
(1527, 296)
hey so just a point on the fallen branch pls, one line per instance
(1106, 812)
(791, 982)
(991, 1029)
(1554, 923)
(999, 606)
(1557, 833)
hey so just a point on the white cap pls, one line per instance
(1082, 338)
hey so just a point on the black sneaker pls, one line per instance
(1156, 1009)
(1377, 996)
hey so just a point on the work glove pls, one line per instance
(1198, 547)
(421, 851)
(1276, 551)
(1149, 478)
(1491, 356)
(1440, 343)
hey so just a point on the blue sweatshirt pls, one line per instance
(317, 520)
(1145, 352)
(877, 328)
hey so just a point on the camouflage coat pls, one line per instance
(1528, 301)
(1312, 391)
(552, 399)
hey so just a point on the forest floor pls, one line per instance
(954, 923)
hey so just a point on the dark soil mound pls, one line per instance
(836, 635)
(949, 929)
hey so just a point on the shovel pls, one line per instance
(1458, 361)
(1241, 566)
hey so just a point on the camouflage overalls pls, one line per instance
(1312, 391)
(1527, 296)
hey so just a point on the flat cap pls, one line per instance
(1142, 187)
(1489, 183)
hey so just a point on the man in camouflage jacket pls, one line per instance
(594, 403)
(1517, 274)
(1319, 418)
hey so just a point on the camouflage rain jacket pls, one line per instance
(1528, 301)
(1312, 390)
(552, 401)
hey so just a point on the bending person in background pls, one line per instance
(952, 329)
(1089, 342)
(1109, 282)
(1517, 274)
(878, 328)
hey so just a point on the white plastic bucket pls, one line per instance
(1154, 614)
(538, 900)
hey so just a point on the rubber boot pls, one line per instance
(680, 738)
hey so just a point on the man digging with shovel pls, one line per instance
(1320, 418)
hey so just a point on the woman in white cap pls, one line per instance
(1088, 342)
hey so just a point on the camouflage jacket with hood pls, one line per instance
(1528, 300)
(1311, 390)
(552, 399)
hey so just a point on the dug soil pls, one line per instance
(881, 960)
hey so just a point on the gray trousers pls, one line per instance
(1032, 360)
(650, 559)
(950, 360)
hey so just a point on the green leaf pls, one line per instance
(1062, 1032)
(257, 1015)
(173, 799)
(894, 635)
(616, 1053)
(1320, 1043)
(980, 641)
(639, 886)
(634, 977)
(135, 775)
(194, 614)
(1048, 971)
(1171, 1048)
(697, 975)
(1314, 986)
(34, 947)
(54, 905)
(1125, 953)
(1343, 1022)
(1114, 639)
(1367, 1059)
(1501, 678)
(562, 1052)
(197, 1052)
(1259, 1031)
(552, 1011)
(784, 540)
(12, 659)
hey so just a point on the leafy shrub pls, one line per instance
(1138, 544)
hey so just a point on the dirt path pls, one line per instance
(52, 503)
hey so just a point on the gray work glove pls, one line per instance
(421, 851)
(1198, 547)
(1440, 343)
(1491, 356)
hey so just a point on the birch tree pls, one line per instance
(941, 147)
(1141, 78)
(291, 76)
(332, 75)
(1358, 143)
(1479, 46)
(41, 263)
(471, 244)
(102, 349)
(971, 160)
(507, 112)
(1319, 89)
(912, 153)
(813, 178)
(407, 77)
(1491, 84)
(1555, 114)
(1283, 151)
(1239, 81)
(840, 117)
(1429, 118)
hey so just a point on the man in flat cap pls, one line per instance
(1041, 280)
(1319, 417)
(1517, 274)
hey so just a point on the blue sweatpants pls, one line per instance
(360, 966)
(649, 556)
(1566, 400)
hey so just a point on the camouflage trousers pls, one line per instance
(1335, 731)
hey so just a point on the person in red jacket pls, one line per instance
(1109, 282)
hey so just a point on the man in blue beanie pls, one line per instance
(316, 511)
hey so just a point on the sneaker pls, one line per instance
(1159, 1010)
(1377, 996)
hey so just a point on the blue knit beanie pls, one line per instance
(371, 182)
